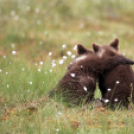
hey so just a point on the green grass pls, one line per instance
(33, 28)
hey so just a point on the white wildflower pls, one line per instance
(61, 62)
(109, 89)
(28, 8)
(0, 70)
(53, 61)
(64, 46)
(46, 33)
(6, 72)
(4, 56)
(39, 70)
(85, 88)
(50, 53)
(72, 74)
(100, 33)
(30, 83)
(57, 130)
(73, 56)
(53, 64)
(69, 53)
(12, 45)
(37, 10)
(28, 90)
(13, 52)
(23, 69)
(75, 47)
(60, 113)
(7, 86)
(64, 57)
(41, 62)
(117, 82)
(51, 70)
(13, 13)
(106, 100)
(116, 99)
(43, 82)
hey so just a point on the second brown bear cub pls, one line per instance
(79, 82)
(116, 84)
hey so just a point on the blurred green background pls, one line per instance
(38, 26)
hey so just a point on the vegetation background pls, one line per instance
(29, 31)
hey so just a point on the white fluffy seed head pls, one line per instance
(106, 100)
(23, 69)
(75, 47)
(53, 64)
(13, 52)
(64, 57)
(41, 62)
(57, 130)
(64, 46)
(60, 113)
(117, 82)
(85, 88)
(81, 66)
(109, 89)
(7, 86)
(50, 53)
(69, 53)
(30, 83)
(6, 72)
(39, 70)
(72, 74)
(116, 99)
(61, 62)
(73, 56)
(12, 45)
(4, 56)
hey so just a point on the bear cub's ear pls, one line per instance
(115, 44)
(96, 47)
(81, 49)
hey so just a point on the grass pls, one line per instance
(35, 28)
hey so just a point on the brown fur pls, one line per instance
(85, 75)
(120, 92)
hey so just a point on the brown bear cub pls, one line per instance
(79, 82)
(116, 84)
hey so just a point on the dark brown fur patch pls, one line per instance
(119, 79)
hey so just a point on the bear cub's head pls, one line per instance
(107, 50)
(82, 54)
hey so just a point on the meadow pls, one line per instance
(34, 37)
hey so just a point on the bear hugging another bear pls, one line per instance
(105, 64)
